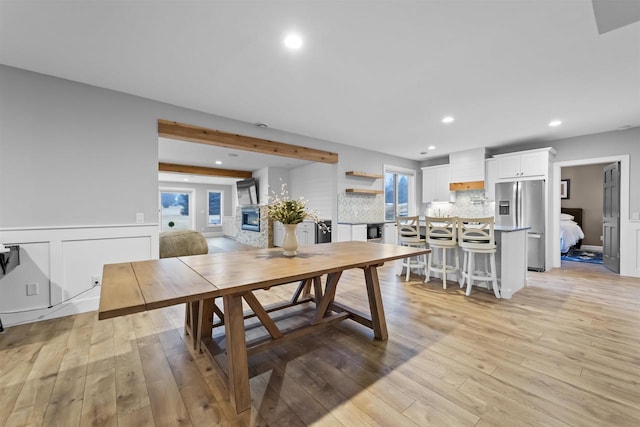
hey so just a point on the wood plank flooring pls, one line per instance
(565, 351)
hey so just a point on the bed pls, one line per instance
(571, 233)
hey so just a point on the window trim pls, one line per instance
(412, 174)
(192, 203)
(221, 192)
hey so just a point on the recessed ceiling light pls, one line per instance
(554, 123)
(185, 179)
(448, 119)
(218, 162)
(431, 147)
(423, 153)
(293, 41)
(262, 125)
(232, 155)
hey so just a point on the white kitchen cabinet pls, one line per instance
(435, 184)
(523, 164)
(359, 232)
(491, 176)
(306, 233)
(390, 233)
(278, 234)
(349, 232)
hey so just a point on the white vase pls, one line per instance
(290, 241)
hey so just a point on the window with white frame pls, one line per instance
(214, 203)
(399, 192)
(177, 209)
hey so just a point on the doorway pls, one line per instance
(626, 260)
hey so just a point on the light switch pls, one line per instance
(139, 217)
(32, 289)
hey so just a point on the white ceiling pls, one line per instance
(373, 74)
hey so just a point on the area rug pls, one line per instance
(583, 256)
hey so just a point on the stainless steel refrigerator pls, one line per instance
(523, 204)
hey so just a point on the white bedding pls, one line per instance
(570, 233)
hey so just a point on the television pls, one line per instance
(247, 190)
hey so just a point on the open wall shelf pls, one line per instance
(364, 175)
(363, 191)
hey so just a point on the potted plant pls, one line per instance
(290, 212)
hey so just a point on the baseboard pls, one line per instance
(591, 248)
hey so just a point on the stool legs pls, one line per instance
(494, 274)
(418, 261)
(444, 266)
(468, 272)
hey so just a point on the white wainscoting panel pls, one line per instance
(63, 262)
(33, 269)
(84, 259)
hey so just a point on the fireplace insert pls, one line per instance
(251, 218)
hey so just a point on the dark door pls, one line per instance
(611, 218)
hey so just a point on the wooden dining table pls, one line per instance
(201, 280)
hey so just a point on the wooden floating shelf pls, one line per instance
(363, 191)
(473, 185)
(364, 175)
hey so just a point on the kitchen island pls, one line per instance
(511, 259)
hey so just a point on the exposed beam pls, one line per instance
(201, 170)
(218, 138)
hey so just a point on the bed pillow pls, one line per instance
(565, 217)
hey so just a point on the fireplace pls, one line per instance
(251, 218)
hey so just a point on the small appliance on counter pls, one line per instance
(374, 232)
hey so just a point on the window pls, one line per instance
(398, 193)
(214, 215)
(177, 207)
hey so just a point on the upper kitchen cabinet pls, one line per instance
(467, 170)
(524, 164)
(435, 184)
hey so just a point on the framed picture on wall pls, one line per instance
(565, 188)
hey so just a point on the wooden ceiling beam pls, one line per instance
(201, 170)
(218, 138)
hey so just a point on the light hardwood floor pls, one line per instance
(563, 352)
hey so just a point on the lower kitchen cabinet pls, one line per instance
(278, 234)
(390, 234)
(349, 232)
(306, 233)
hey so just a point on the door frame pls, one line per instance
(627, 250)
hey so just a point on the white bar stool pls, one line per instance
(441, 234)
(409, 235)
(476, 236)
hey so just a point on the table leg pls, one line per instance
(205, 321)
(375, 303)
(236, 353)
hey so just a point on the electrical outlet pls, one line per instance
(32, 289)
(95, 280)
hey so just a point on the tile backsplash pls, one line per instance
(354, 208)
(469, 204)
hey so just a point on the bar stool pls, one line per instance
(409, 235)
(441, 234)
(476, 236)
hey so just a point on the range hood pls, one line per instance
(467, 170)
